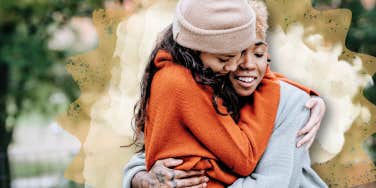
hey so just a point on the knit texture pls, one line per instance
(214, 26)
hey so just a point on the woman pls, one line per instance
(214, 148)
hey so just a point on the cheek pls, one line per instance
(206, 60)
(261, 67)
(216, 67)
(211, 63)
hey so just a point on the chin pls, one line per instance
(244, 92)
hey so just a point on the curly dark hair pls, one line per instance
(191, 60)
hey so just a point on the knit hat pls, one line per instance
(214, 26)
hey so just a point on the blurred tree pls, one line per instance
(362, 34)
(370, 91)
(30, 72)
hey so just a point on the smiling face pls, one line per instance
(251, 70)
(220, 63)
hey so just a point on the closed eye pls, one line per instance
(223, 60)
(259, 55)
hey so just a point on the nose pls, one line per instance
(231, 66)
(246, 62)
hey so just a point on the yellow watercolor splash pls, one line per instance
(108, 79)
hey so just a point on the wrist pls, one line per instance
(139, 180)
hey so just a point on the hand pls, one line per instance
(161, 175)
(317, 106)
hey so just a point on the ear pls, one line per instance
(268, 58)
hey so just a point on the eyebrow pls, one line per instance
(229, 56)
(260, 43)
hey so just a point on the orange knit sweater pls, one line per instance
(183, 123)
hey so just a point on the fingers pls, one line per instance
(199, 186)
(310, 103)
(179, 174)
(169, 162)
(161, 173)
(317, 113)
(191, 182)
(312, 122)
(309, 144)
(316, 102)
(308, 137)
(169, 177)
(164, 167)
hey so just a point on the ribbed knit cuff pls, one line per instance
(135, 165)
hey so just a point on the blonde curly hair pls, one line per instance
(261, 18)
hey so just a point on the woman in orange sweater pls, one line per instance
(186, 108)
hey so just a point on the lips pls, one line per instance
(245, 81)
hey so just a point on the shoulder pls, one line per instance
(292, 103)
(173, 74)
(291, 92)
(291, 95)
(174, 78)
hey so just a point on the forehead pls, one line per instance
(259, 45)
(230, 55)
(224, 56)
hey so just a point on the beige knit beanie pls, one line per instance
(214, 26)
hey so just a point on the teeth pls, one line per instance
(246, 79)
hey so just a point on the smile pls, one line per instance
(245, 79)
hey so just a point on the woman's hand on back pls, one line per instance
(309, 131)
(162, 175)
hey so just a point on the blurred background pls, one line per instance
(36, 37)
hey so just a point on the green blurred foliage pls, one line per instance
(36, 73)
(362, 34)
(33, 78)
(370, 91)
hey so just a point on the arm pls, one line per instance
(276, 167)
(317, 106)
(282, 164)
(135, 175)
(135, 165)
(240, 181)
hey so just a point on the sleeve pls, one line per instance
(283, 165)
(218, 133)
(221, 135)
(136, 164)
